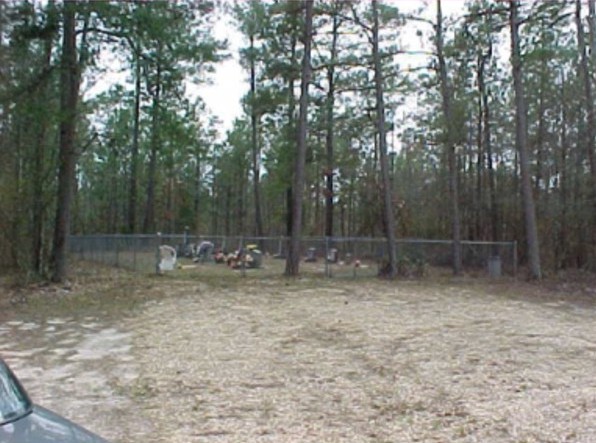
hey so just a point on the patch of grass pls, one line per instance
(140, 388)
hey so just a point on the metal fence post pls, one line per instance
(515, 258)
(242, 256)
(326, 258)
(134, 253)
(117, 248)
(157, 252)
(355, 259)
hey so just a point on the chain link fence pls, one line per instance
(335, 257)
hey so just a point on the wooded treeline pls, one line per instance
(378, 122)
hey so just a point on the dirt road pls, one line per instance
(314, 361)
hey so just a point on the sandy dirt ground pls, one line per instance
(183, 360)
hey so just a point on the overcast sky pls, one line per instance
(230, 81)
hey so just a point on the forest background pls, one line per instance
(490, 138)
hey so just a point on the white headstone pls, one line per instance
(167, 256)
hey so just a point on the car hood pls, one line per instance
(44, 426)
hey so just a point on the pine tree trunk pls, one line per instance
(39, 210)
(389, 217)
(329, 136)
(197, 190)
(493, 198)
(291, 109)
(450, 144)
(592, 26)
(149, 222)
(111, 183)
(256, 152)
(134, 153)
(170, 219)
(69, 92)
(540, 139)
(562, 249)
(521, 137)
(293, 260)
(240, 199)
(479, 195)
(215, 205)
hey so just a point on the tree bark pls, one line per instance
(521, 137)
(293, 260)
(256, 152)
(592, 27)
(479, 194)
(389, 216)
(450, 144)
(240, 183)
(1, 31)
(197, 190)
(562, 249)
(39, 207)
(149, 222)
(493, 198)
(134, 153)
(541, 180)
(170, 197)
(69, 93)
(291, 110)
(329, 136)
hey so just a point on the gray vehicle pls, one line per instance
(23, 422)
